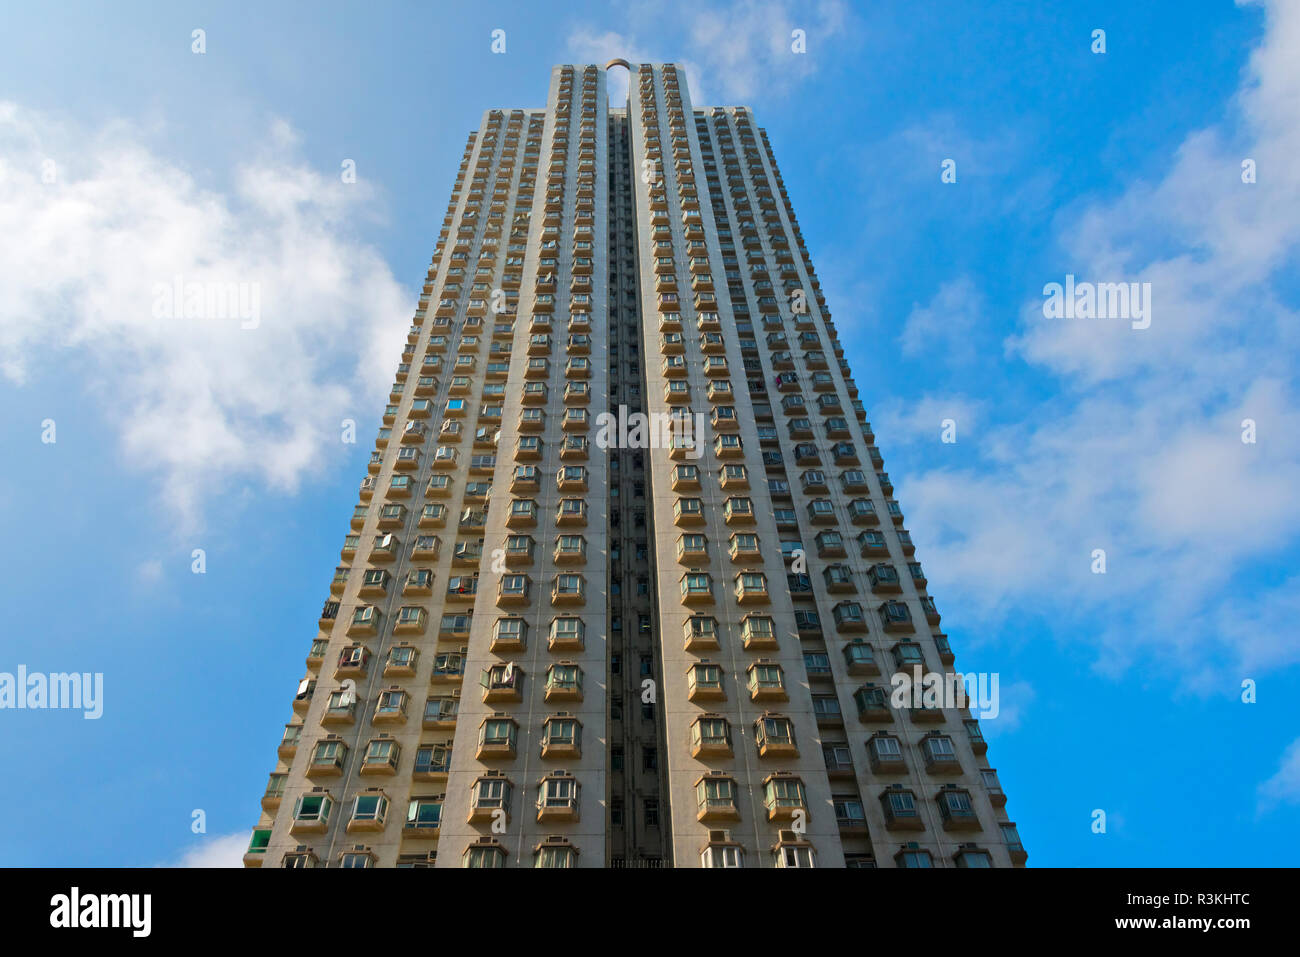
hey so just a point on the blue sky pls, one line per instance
(1120, 692)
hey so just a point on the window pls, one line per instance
(706, 678)
(826, 706)
(558, 793)
(849, 813)
(696, 585)
(340, 706)
(568, 587)
(955, 807)
(312, 809)
(838, 757)
(783, 795)
(513, 587)
(490, 794)
(701, 631)
(895, 613)
(723, 855)
(381, 754)
(766, 679)
(484, 855)
(556, 855)
(773, 731)
(711, 735)
(432, 759)
(510, 633)
(899, 804)
(885, 749)
(973, 857)
(715, 795)
(562, 734)
(751, 586)
(794, 855)
(275, 786)
(570, 547)
(939, 752)
(292, 732)
(567, 632)
(370, 808)
(328, 756)
(907, 654)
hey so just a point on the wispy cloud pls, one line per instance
(224, 851)
(1139, 450)
(945, 329)
(1284, 786)
(928, 418)
(94, 226)
(731, 52)
(149, 572)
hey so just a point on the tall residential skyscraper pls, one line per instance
(627, 584)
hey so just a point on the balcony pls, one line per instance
(710, 737)
(766, 682)
(502, 683)
(704, 683)
(873, 704)
(563, 682)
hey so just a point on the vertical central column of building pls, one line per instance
(747, 779)
(527, 777)
(638, 802)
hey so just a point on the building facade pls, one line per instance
(627, 585)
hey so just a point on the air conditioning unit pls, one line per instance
(787, 837)
(719, 837)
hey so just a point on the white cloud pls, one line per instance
(591, 46)
(150, 572)
(1284, 786)
(945, 329)
(920, 421)
(86, 245)
(224, 851)
(1139, 452)
(731, 53)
